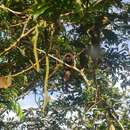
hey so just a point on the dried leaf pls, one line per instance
(5, 81)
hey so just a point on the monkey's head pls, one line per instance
(69, 58)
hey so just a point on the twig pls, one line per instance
(66, 14)
(23, 34)
(18, 24)
(93, 105)
(120, 124)
(12, 11)
(25, 25)
(23, 71)
(115, 118)
(54, 70)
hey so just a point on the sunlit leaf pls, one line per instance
(39, 11)
(15, 107)
(112, 127)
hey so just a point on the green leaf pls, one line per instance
(15, 107)
(40, 11)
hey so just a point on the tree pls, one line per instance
(35, 35)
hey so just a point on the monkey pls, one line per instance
(83, 58)
(68, 59)
(95, 31)
(93, 50)
(94, 54)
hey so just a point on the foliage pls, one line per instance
(34, 37)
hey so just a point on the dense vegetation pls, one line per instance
(92, 92)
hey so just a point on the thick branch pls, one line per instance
(46, 83)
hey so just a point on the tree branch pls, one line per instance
(46, 98)
(14, 45)
(10, 10)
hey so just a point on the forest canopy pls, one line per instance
(76, 51)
